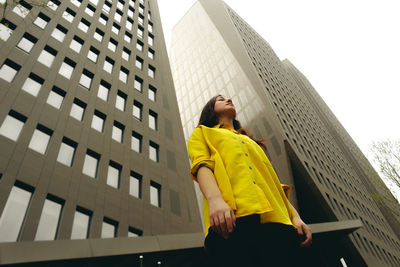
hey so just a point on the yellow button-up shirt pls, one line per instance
(245, 176)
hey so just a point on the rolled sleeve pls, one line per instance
(286, 189)
(199, 153)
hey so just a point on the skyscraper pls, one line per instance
(90, 137)
(214, 51)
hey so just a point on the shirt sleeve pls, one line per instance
(286, 189)
(199, 153)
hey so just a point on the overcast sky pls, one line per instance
(349, 51)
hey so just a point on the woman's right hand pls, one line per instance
(222, 217)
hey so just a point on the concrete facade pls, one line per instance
(161, 199)
(214, 51)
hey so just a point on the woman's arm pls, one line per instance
(301, 227)
(222, 217)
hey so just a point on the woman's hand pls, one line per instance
(222, 217)
(303, 230)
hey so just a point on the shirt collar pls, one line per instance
(222, 125)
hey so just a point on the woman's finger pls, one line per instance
(228, 221)
(222, 224)
(233, 218)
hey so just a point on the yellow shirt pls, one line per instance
(245, 176)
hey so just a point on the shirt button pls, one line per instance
(250, 168)
(246, 154)
(254, 182)
(242, 142)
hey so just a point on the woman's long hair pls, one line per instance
(209, 118)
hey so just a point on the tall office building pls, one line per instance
(214, 51)
(91, 142)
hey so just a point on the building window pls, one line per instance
(12, 218)
(86, 79)
(69, 15)
(8, 70)
(77, 109)
(120, 5)
(123, 74)
(95, 2)
(93, 54)
(107, 6)
(67, 67)
(150, 27)
(118, 132)
(120, 101)
(149, 15)
(129, 23)
(137, 110)
(22, 9)
(40, 139)
(136, 143)
(153, 151)
(27, 42)
(155, 194)
(91, 163)
(150, 53)
(109, 228)
(131, 10)
(108, 65)
(67, 152)
(76, 2)
(126, 53)
(6, 29)
(12, 125)
(103, 19)
(84, 25)
(152, 120)
(115, 28)
(47, 56)
(104, 90)
(90, 10)
(112, 44)
(128, 37)
(114, 173)
(150, 40)
(81, 224)
(133, 232)
(98, 35)
(49, 219)
(56, 97)
(140, 19)
(53, 4)
(139, 62)
(41, 20)
(152, 93)
(98, 121)
(135, 185)
(76, 44)
(141, 9)
(118, 15)
(59, 33)
(151, 71)
(140, 32)
(138, 83)
(33, 84)
(139, 45)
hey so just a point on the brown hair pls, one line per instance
(209, 118)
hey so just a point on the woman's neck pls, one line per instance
(226, 121)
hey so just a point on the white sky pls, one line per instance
(348, 50)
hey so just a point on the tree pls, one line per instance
(386, 156)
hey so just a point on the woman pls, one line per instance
(250, 221)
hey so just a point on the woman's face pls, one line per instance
(224, 106)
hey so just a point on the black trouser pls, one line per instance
(254, 244)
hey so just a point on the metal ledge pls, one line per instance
(56, 250)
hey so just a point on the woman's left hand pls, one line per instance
(303, 230)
